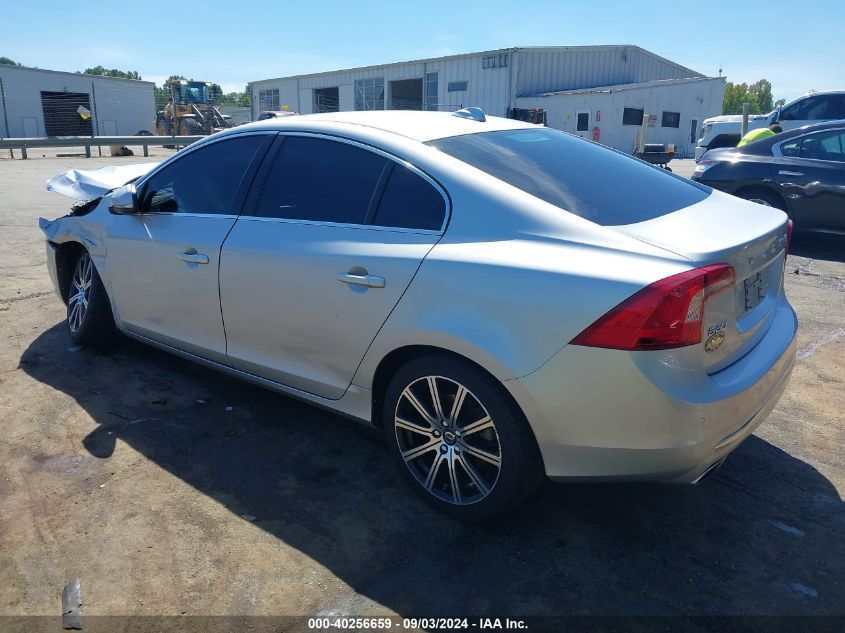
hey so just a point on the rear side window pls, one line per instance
(410, 202)
(320, 180)
(579, 176)
(205, 180)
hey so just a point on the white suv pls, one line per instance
(813, 107)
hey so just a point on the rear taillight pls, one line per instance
(789, 227)
(666, 314)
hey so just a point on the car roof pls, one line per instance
(764, 147)
(419, 126)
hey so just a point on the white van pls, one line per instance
(813, 107)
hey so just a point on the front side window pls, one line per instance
(819, 108)
(320, 180)
(369, 94)
(579, 176)
(206, 180)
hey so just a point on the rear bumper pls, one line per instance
(598, 415)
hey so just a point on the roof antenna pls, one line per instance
(476, 114)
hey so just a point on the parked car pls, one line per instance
(814, 107)
(503, 300)
(801, 172)
(275, 114)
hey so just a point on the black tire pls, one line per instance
(89, 316)
(761, 196)
(143, 133)
(511, 439)
(189, 127)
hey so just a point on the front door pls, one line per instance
(335, 233)
(162, 263)
(811, 175)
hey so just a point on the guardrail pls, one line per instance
(94, 141)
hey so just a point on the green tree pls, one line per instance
(757, 95)
(9, 62)
(762, 91)
(111, 72)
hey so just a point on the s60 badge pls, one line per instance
(714, 342)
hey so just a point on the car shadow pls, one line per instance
(763, 535)
(827, 246)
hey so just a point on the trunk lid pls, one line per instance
(750, 237)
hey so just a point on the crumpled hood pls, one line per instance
(84, 184)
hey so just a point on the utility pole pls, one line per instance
(643, 130)
(745, 107)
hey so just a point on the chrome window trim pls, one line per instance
(384, 154)
(185, 151)
(230, 216)
(342, 225)
(776, 151)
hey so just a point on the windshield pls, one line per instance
(579, 176)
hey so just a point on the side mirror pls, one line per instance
(124, 200)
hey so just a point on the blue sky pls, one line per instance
(796, 45)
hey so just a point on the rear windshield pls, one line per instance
(579, 176)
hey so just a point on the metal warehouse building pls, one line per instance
(35, 102)
(600, 92)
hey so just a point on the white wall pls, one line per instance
(532, 71)
(489, 88)
(694, 100)
(122, 105)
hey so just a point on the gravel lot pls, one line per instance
(169, 490)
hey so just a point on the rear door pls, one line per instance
(335, 232)
(162, 263)
(810, 171)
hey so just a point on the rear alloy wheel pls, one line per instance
(454, 454)
(459, 438)
(89, 317)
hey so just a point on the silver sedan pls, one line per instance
(505, 301)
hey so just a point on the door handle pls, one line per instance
(371, 281)
(193, 258)
(785, 172)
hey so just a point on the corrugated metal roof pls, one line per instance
(497, 51)
(621, 87)
(64, 72)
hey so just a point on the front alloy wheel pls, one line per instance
(448, 440)
(80, 292)
(89, 316)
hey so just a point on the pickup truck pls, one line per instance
(813, 107)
